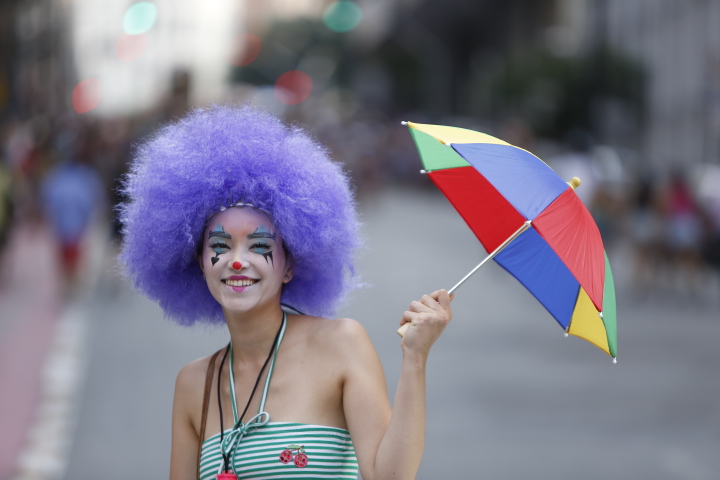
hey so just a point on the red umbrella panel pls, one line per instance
(536, 226)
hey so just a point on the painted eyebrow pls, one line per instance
(219, 233)
(257, 234)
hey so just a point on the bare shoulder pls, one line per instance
(342, 341)
(193, 373)
(190, 383)
(339, 331)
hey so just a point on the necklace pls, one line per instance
(262, 418)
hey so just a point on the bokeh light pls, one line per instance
(342, 16)
(139, 18)
(248, 48)
(86, 95)
(293, 87)
(130, 47)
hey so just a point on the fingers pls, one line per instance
(442, 297)
(438, 302)
(407, 317)
(422, 305)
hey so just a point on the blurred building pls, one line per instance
(135, 53)
(7, 54)
(35, 66)
(678, 43)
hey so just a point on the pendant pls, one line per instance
(226, 476)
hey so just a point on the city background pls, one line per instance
(624, 94)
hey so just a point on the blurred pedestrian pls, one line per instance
(646, 230)
(6, 213)
(684, 231)
(71, 193)
(21, 154)
(229, 213)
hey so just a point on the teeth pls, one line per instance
(240, 283)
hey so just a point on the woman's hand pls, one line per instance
(428, 318)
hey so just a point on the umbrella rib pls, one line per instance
(512, 237)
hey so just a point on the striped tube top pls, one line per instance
(330, 453)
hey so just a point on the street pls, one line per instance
(509, 397)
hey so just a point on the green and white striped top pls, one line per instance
(329, 451)
(254, 448)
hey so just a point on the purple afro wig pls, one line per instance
(217, 156)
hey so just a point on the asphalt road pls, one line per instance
(508, 396)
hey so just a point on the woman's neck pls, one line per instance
(252, 333)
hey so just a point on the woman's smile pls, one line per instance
(239, 283)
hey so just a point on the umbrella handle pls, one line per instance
(404, 328)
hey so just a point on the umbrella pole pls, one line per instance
(499, 249)
(404, 328)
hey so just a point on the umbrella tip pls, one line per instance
(403, 123)
(614, 360)
(574, 182)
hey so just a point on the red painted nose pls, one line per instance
(237, 265)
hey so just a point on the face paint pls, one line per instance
(216, 241)
(246, 236)
(260, 247)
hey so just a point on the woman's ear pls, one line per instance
(288, 275)
(199, 260)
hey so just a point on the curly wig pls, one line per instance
(210, 159)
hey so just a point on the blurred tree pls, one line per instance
(557, 94)
(406, 75)
(8, 49)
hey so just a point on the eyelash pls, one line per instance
(253, 247)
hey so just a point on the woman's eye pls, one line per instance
(260, 247)
(219, 246)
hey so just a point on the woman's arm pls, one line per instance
(389, 444)
(185, 442)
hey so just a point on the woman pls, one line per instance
(231, 215)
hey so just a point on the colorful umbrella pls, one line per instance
(531, 221)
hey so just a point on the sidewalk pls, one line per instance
(30, 303)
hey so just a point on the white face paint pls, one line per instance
(245, 235)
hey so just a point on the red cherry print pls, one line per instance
(236, 265)
(286, 456)
(301, 460)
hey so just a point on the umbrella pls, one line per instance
(531, 221)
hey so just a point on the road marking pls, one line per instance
(50, 438)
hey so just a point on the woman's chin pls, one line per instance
(242, 306)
